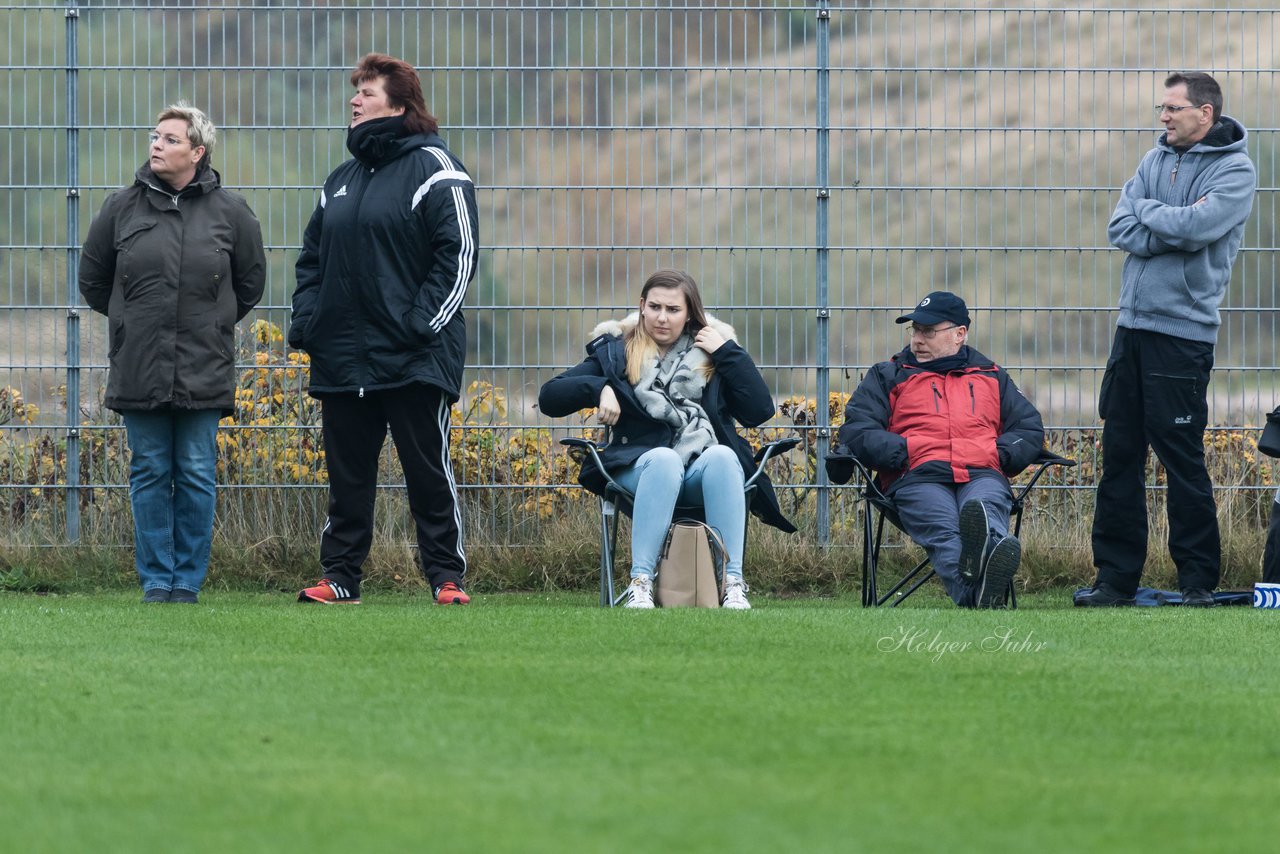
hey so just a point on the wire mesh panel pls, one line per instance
(969, 148)
(981, 150)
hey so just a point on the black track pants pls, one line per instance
(355, 429)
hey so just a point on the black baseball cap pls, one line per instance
(938, 307)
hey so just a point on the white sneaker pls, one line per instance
(640, 592)
(735, 595)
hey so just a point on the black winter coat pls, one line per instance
(173, 273)
(385, 264)
(735, 392)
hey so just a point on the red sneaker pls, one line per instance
(451, 594)
(328, 592)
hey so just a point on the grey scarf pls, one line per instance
(670, 390)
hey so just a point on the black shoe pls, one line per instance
(975, 539)
(186, 597)
(1103, 595)
(1197, 597)
(998, 574)
(155, 594)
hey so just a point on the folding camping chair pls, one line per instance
(618, 497)
(842, 467)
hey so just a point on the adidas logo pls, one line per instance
(342, 191)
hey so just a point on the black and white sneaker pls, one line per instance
(640, 592)
(329, 593)
(975, 539)
(1001, 566)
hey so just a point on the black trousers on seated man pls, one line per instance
(355, 429)
(1154, 394)
(930, 514)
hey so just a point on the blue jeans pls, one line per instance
(659, 481)
(172, 488)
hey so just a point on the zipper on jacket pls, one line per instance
(937, 396)
(363, 358)
(173, 198)
(1173, 176)
(973, 400)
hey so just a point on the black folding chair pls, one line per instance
(617, 498)
(842, 467)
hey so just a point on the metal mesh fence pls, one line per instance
(816, 166)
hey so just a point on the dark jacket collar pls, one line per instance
(206, 180)
(963, 360)
(379, 141)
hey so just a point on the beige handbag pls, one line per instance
(690, 566)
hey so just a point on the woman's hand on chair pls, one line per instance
(708, 339)
(608, 411)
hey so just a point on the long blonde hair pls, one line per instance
(641, 348)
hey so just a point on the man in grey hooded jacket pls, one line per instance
(1180, 219)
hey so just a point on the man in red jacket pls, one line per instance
(944, 428)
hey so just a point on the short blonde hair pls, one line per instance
(199, 129)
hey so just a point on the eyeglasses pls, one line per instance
(168, 139)
(927, 332)
(1161, 109)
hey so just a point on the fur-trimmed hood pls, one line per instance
(619, 328)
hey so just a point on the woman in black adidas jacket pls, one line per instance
(384, 267)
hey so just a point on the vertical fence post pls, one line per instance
(73, 273)
(823, 135)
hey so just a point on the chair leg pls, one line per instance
(868, 561)
(871, 559)
(902, 597)
(608, 513)
(871, 543)
(1017, 532)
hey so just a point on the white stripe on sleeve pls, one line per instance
(466, 261)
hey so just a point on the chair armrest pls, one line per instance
(593, 449)
(575, 442)
(777, 446)
(842, 466)
(1047, 460)
(593, 457)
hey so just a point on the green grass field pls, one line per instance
(536, 723)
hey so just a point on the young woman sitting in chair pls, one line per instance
(671, 381)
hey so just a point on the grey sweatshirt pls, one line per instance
(1181, 219)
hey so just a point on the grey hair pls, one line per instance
(199, 129)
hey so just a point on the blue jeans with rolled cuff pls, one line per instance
(173, 491)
